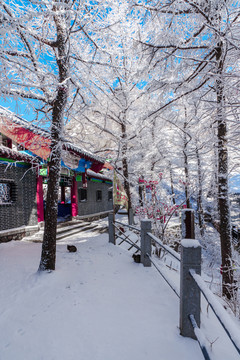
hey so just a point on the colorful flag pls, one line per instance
(119, 194)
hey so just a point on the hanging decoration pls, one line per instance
(119, 194)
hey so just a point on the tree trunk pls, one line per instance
(199, 196)
(171, 180)
(153, 157)
(140, 191)
(125, 167)
(223, 199)
(48, 256)
(186, 186)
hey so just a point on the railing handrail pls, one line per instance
(165, 247)
(200, 337)
(172, 286)
(190, 279)
(129, 226)
(221, 314)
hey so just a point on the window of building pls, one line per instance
(82, 194)
(98, 195)
(6, 192)
(110, 195)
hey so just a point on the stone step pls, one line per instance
(75, 231)
(72, 228)
(69, 227)
(70, 223)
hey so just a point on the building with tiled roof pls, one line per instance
(23, 145)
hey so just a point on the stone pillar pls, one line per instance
(189, 292)
(111, 229)
(145, 242)
(131, 216)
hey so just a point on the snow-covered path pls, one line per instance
(97, 305)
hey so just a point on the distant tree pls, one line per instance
(117, 97)
(200, 50)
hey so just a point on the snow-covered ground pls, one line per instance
(97, 305)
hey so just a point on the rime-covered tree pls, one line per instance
(197, 42)
(117, 96)
(41, 44)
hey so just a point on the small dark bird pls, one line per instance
(71, 248)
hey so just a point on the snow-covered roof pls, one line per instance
(46, 134)
(8, 153)
(24, 123)
(82, 152)
(91, 173)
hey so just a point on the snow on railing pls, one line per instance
(200, 338)
(165, 247)
(191, 283)
(164, 274)
(225, 320)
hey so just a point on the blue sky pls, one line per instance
(19, 107)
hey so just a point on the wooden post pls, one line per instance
(145, 242)
(111, 228)
(190, 294)
(188, 228)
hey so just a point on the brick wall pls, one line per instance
(23, 208)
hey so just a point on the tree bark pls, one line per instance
(223, 199)
(171, 180)
(48, 256)
(199, 196)
(186, 170)
(125, 167)
(140, 191)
